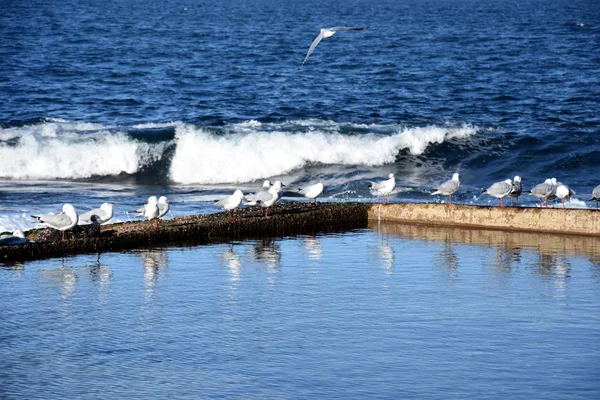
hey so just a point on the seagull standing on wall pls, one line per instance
(384, 188)
(449, 187)
(327, 33)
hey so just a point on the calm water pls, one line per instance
(114, 102)
(392, 312)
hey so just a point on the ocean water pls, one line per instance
(412, 312)
(115, 101)
(194, 99)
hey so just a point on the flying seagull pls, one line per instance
(327, 33)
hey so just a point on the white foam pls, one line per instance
(252, 151)
(572, 203)
(58, 150)
(9, 222)
(156, 125)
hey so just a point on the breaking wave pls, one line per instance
(235, 153)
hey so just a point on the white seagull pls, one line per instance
(543, 191)
(563, 192)
(163, 206)
(449, 187)
(149, 210)
(15, 238)
(596, 195)
(312, 192)
(500, 190)
(103, 214)
(230, 203)
(384, 188)
(267, 199)
(253, 197)
(516, 189)
(62, 221)
(327, 33)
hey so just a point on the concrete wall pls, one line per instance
(550, 220)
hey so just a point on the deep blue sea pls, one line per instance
(193, 99)
(115, 101)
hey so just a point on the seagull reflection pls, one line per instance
(64, 277)
(556, 265)
(506, 257)
(16, 267)
(267, 251)
(313, 248)
(386, 253)
(233, 262)
(100, 274)
(155, 261)
(595, 260)
(448, 258)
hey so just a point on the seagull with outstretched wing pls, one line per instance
(327, 33)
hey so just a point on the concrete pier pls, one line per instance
(302, 218)
(285, 219)
(541, 220)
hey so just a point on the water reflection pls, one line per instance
(554, 266)
(448, 259)
(64, 278)
(385, 252)
(155, 262)
(99, 274)
(312, 246)
(16, 267)
(551, 252)
(233, 262)
(387, 257)
(268, 252)
(507, 258)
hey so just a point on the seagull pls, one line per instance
(103, 214)
(163, 206)
(500, 190)
(251, 198)
(563, 192)
(149, 210)
(62, 221)
(312, 192)
(543, 191)
(15, 238)
(267, 199)
(517, 188)
(327, 33)
(596, 195)
(384, 188)
(231, 202)
(448, 188)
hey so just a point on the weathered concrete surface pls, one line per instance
(548, 220)
(544, 243)
(285, 219)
